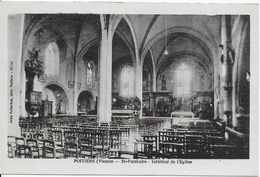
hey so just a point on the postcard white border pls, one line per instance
(67, 166)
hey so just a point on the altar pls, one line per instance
(181, 116)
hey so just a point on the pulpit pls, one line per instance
(33, 102)
(33, 68)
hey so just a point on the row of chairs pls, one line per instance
(21, 147)
(88, 142)
(33, 125)
(185, 144)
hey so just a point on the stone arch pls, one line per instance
(202, 59)
(128, 45)
(58, 95)
(85, 48)
(114, 23)
(185, 30)
(30, 33)
(34, 29)
(177, 58)
(85, 101)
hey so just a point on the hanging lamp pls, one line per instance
(165, 21)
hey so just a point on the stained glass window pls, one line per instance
(52, 59)
(127, 81)
(183, 79)
(89, 73)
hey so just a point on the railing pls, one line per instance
(240, 139)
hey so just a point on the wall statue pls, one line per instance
(163, 82)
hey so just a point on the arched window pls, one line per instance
(183, 80)
(127, 81)
(52, 59)
(89, 73)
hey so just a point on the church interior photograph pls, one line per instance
(128, 86)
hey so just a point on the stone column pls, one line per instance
(138, 84)
(75, 90)
(154, 81)
(108, 77)
(241, 84)
(152, 104)
(154, 90)
(15, 91)
(227, 68)
(105, 75)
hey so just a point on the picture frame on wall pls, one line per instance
(42, 78)
(71, 84)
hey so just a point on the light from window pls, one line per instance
(127, 81)
(183, 80)
(52, 59)
(89, 73)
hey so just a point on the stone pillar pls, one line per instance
(138, 84)
(108, 76)
(241, 84)
(75, 90)
(154, 81)
(15, 42)
(227, 68)
(154, 90)
(152, 104)
(105, 75)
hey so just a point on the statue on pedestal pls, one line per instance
(163, 82)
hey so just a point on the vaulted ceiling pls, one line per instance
(194, 35)
(144, 35)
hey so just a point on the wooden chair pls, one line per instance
(125, 137)
(38, 136)
(195, 146)
(162, 135)
(86, 149)
(143, 149)
(27, 135)
(125, 132)
(225, 151)
(85, 134)
(171, 146)
(24, 127)
(57, 137)
(134, 129)
(70, 133)
(114, 126)
(115, 143)
(76, 130)
(22, 150)
(50, 150)
(210, 141)
(33, 144)
(11, 144)
(100, 141)
(152, 139)
(104, 124)
(71, 147)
